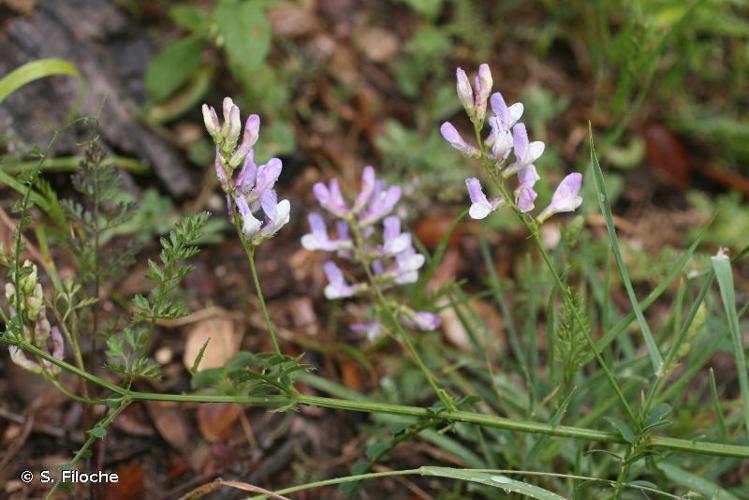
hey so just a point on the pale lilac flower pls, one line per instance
(368, 182)
(393, 240)
(318, 239)
(380, 204)
(407, 265)
(474, 99)
(465, 92)
(501, 123)
(330, 198)
(525, 152)
(249, 138)
(276, 213)
(253, 187)
(220, 173)
(480, 205)
(250, 224)
(337, 287)
(212, 125)
(566, 198)
(372, 329)
(451, 135)
(525, 196)
(484, 84)
(421, 320)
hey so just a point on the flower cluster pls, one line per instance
(252, 189)
(389, 260)
(33, 316)
(506, 136)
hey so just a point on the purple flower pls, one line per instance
(393, 241)
(451, 135)
(407, 265)
(474, 99)
(525, 196)
(368, 182)
(212, 125)
(337, 287)
(330, 198)
(372, 329)
(566, 198)
(250, 225)
(318, 238)
(504, 118)
(220, 173)
(525, 153)
(249, 138)
(421, 320)
(480, 205)
(276, 212)
(276, 215)
(380, 204)
(465, 92)
(483, 89)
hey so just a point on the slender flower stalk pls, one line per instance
(122, 395)
(249, 192)
(387, 263)
(493, 153)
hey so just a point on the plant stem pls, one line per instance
(261, 298)
(83, 450)
(363, 259)
(532, 229)
(685, 445)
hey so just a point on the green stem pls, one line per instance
(361, 255)
(261, 298)
(685, 445)
(83, 450)
(424, 471)
(532, 229)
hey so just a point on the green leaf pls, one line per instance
(98, 432)
(603, 201)
(657, 414)
(173, 66)
(491, 479)
(36, 70)
(189, 17)
(723, 273)
(199, 357)
(246, 34)
(694, 482)
(622, 428)
(427, 8)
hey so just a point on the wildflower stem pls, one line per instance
(532, 228)
(92, 437)
(361, 255)
(261, 298)
(122, 393)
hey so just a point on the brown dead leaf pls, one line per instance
(377, 44)
(171, 422)
(216, 421)
(457, 334)
(129, 482)
(351, 375)
(223, 343)
(290, 20)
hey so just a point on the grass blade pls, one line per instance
(495, 480)
(724, 275)
(603, 201)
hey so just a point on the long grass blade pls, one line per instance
(603, 201)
